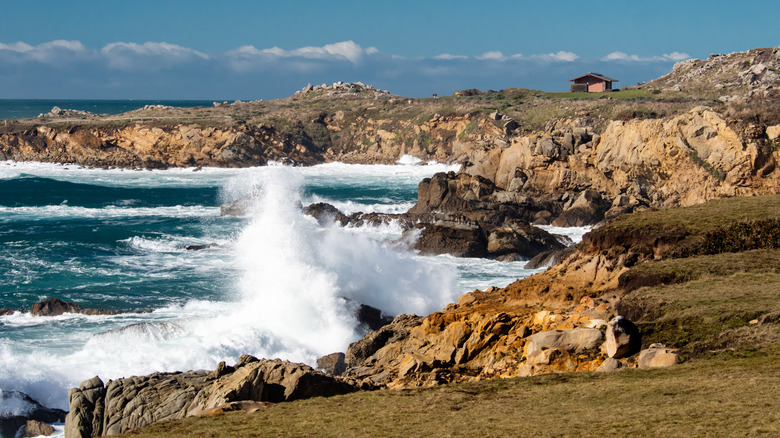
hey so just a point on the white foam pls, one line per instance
(111, 212)
(573, 233)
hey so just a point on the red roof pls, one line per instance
(595, 75)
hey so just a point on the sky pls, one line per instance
(227, 50)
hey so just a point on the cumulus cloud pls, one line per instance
(561, 56)
(131, 56)
(448, 56)
(342, 51)
(58, 51)
(666, 57)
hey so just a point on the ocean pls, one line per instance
(276, 284)
(30, 108)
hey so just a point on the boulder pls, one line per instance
(623, 338)
(333, 364)
(371, 318)
(611, 364)
(570, 340)
(658, 356)
(35, 428)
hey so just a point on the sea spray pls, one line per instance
(303, 281)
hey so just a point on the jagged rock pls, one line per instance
(588, 208)
(371, 318)
(623, 338)
(54, 307)
(546, 259)
(458, 239)
(87, 408)
(6, 311)
(521, 238)
(373, 341)
(332, 364)
(325, 213)
(133, 402)
(658, 356)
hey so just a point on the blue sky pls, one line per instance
(260, 49)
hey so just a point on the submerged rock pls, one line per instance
(56, 307)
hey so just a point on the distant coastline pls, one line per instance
(30, 108)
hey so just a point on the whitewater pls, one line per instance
(276, 284)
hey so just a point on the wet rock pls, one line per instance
(200, 247)
(326, 213)
(371, 318)
(521, 238)
(54, 307)
(458, 239)
(33, 415)
(6, 311)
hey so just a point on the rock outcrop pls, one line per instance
(124, 404)
(56, 307)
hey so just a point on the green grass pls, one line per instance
(704, 398)
(703, 316)
(700, 218)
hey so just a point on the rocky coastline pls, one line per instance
(674, 198)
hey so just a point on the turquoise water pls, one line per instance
(29, 108)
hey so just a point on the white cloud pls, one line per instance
(124, 56)
(53, 52)
(18, 47)
(561, 56)
(621, 56)
(447, 56)
(676, 56)
(342, 51)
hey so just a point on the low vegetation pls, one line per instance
(701, 398)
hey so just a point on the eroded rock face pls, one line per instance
(33, 419)
(678, 161)
(134, 402)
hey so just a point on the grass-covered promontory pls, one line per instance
(720, 305)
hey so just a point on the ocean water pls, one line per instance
(277, 284)
(29, 108)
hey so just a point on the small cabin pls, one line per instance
(592, 83)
